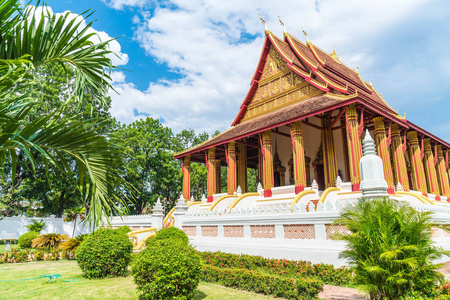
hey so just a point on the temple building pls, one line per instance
(300, 127)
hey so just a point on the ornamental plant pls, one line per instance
(104, 253)
(49, 240)
(26, 239)
(167, 269)
(36, 225)
(170, 233)
(391, 248)
(123, 229)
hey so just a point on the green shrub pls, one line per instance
(26, 239)
(282, 267)
(36, 225)
(278, 286)
(167, 269)
(171, 233)
(104, 253)
(391, 248)
(123, 229)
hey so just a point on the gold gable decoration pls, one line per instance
(279, 87)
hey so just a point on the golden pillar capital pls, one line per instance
(298, 150)
(383, 152)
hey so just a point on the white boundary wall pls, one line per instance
(274, 231)
(14, 227)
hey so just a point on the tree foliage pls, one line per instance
(29, 40)
(391, 248)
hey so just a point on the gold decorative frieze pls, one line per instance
(280, 100)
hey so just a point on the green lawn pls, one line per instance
(109, 288)
(2, 247)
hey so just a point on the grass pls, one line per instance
(80, 288)
(2, 247)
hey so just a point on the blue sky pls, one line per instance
(191, 61)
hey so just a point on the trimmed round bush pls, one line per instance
(167, 269)
(124, 229)
(104, 253)
(172, 233)
(26, 239)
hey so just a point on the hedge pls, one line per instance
(282, 267)
(278, 286)
(19, 255)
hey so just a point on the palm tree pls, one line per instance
(391, 248)
(29, 40)
(73, 214)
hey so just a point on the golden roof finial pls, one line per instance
(266, 29)
(404, 116)
(304, 32)
(282, 24)
(334, 55)
(357, 70)
(371, 83)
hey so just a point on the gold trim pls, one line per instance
(330, 82)
(168, 215)
(277, 75)
(279, 199)
(349, 193)
(420, 197)
(299, 196)
(235, 202)
(295, 88)
(278, 107)
(341, 97)
(300, 53)
(219, 200)
(326, 192)
(278, 48)
(205, 204)
(194, 203)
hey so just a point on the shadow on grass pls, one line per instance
(199, 295)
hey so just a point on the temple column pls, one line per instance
(383, 152)
(242, 168)
(231, 161)
(267, 163)
(298, 156)
(260, 166)
(354, 145)
(217, 166)
(329, 155)
(210, 166)
(442, 173)
(186, 170)
(430, 169)
(418, 174)
(400, 171)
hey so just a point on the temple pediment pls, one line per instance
(279, 87)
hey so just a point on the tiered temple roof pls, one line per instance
(311, 82)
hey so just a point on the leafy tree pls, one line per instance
(29, 41)
(391, 248)
(149, 164)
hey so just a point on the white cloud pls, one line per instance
(212, 44)
(120, 4)
(117, 59)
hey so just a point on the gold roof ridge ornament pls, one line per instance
(266, 29)
(334, 55)
(307, 39)
(282, 24)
